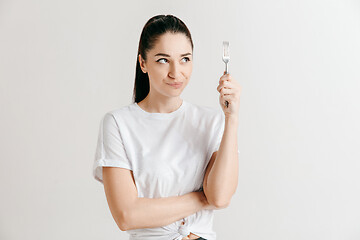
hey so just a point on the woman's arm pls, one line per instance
(221, 176)
(156, 212)
(131, 212)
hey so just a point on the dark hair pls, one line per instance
(153, 29)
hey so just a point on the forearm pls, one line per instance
(223, 177)
(157, 212)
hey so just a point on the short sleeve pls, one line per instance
(218, 131)
(110, 151)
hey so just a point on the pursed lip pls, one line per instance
(175, 84)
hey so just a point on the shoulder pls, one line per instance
(122, 111)
(116, 115)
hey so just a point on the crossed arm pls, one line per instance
(131, 212)
(220, 182)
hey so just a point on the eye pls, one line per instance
(186, 59)
(162, 60)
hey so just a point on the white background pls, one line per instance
(63, 64)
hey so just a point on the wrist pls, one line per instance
(232, 119)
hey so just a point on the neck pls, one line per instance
(160, 105)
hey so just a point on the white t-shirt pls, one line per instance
(167, 153)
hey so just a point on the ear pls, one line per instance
(142, 64)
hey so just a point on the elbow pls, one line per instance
(219, 203)
(218, 200)
(124, 221)
(123, 226)
(222, 204)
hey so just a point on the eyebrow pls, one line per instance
(167, 55)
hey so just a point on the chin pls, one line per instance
(174, 94)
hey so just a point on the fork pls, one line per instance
(226, 59)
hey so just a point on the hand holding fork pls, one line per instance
(228, 88)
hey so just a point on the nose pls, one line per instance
(174, 71)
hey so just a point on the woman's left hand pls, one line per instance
(229, 90)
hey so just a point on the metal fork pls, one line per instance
(226, 59)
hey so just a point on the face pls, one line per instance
(168, 64)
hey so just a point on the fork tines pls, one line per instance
(226, 49)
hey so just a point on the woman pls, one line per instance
(167, 164)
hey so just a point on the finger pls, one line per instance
(227, 91)
(229, 98)
(223, 87)
(226, 84)
(226, 77)
(225, 73)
